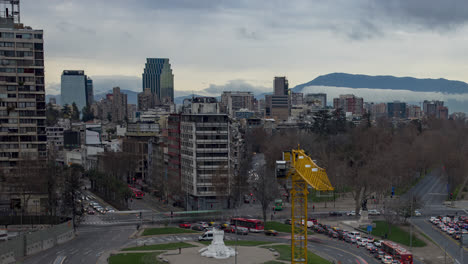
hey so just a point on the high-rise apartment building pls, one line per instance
(89, 92)
(158, 77)
(434, 108)
(349, 103)
(234, 101)
(147, 100)
(22, 93)
(205, 160)
(76, 88)
(297, 98)
(278, 104)
(119, 105)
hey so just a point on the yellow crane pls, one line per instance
(303, 172)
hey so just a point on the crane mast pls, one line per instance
(303, 172)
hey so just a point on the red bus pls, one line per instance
(254, 225)
(136, 193)
(397, 252)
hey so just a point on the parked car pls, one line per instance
(185, 225)
(271, 232)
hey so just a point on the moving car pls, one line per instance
(241, 230)
(387, 259)
(207, 236)
(185, 225)
(271, 232)
(203, 224)
(378, 243)
(91, 212)
(287, 221)
(198, 228)
(334, 213)
(373, 212)
(417, 213)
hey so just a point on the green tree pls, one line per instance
(87, 114)
(52, 115)
(75, 112)
(66, 113)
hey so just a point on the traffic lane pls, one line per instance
(86, 247)
(452, 248)
(337, 249)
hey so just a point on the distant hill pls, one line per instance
(387, 82)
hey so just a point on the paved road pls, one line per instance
(433, 191)
(89, 244)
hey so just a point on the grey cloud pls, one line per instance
(235, 85)
(245, 33)
(433, 14)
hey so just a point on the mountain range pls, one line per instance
(373, 88)
(386, 82)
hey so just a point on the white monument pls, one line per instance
(217, 249)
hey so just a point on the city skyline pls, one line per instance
(356, 38)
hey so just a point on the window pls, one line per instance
(8, 62)
(38, 36)
(24, 54)
(24, 45)
(6, 35)
(7, 70)
(7, 53)
(24, 36)
(7, 44)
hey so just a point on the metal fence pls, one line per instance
(29, 243)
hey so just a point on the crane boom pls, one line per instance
(303, 172)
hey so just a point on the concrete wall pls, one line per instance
(28, 244)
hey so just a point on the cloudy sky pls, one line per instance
(214, 43)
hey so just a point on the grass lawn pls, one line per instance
(285, 254)
(280, 227)
(397, 235)
(135, 258)
(313, 198)
(166, 231)
(168, 246)
(241, 243)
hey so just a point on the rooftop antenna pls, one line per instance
(10, 9)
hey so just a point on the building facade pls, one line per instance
(55, 137)
(147, 100)
(316, 100)
(205, 161)
(396, 110)
(235, 101)
(350, 104)
(278, 104)
(119, 105)
(297, 98)
(75, 87)
(158, 77)
(22, 93)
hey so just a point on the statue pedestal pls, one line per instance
(217, 249)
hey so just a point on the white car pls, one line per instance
(378, 243)
(361, 241)
(450, 231)
(387, 259)
(374, 212)
(417, 213)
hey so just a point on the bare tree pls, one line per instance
(266, 188)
